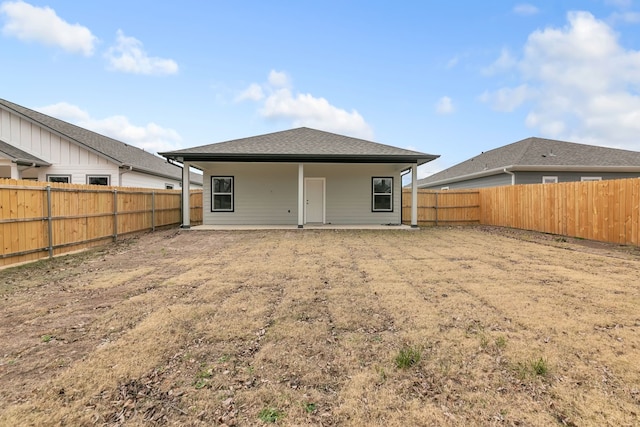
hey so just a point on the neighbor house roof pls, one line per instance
(301, 145)
(116, 151)
(20, 157)
(538, 154)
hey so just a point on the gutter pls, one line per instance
(513, 175)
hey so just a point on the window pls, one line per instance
(221, 194)
(590, 178)
(65, 179)
(549, 179)
(382, 194)
(444, 188)
(168, 186)
(98, 179)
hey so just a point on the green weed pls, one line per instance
(407, 357)
(270, 415)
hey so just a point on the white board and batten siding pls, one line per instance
(267, 193)
(67, 158)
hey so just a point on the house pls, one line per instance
(39, 147)
(535, 161)
(301, 176)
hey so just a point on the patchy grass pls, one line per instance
(443, 326)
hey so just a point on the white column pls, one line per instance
(300, 195)
(414, 195)
(15, 172)
(186, 202)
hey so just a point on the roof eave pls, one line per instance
(308, 158)
(29, 162)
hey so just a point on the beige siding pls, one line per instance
(267, 193)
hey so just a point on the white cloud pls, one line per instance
(129, 56)
(280, 102)
(504, 62)
(43, 25)
(278, 79)
(150, 137)
(507, 99)
(445, 105)
(525, 9)
(253, 93)
(579, 83)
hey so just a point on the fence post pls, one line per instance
(115, 215)
(49, 221)
(153, 211)
(436, 209)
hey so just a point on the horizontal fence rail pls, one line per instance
(39, 219)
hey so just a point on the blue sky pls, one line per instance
(449, 78)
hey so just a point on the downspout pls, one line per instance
(513, 176)
(123, 169)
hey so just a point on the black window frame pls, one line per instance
(232, 193)
(374, 194)
(108, 177)
(68, 177)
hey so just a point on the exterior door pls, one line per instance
(314, 200)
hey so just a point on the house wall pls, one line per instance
(536, 177)
(66, 157)
(487, 181)
(267, 193)
(141, 180)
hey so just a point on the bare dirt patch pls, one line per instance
(307, 328)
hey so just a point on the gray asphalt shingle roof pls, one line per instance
(543, 153)
(302, 144)
(119, 152)
(17, 155)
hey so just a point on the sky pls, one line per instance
(453, 78)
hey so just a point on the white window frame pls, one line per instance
(219, 193)
(374, 194)
(590, 178)
(444, 188)
(68, 177)
(99, 176)
(168, 186)
(549, 179)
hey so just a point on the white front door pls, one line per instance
(314, 200)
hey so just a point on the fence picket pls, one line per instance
(81, 216)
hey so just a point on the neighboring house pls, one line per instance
(39, 147)
(301, 176)
(536, 161)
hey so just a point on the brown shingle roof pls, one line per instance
(301, 144)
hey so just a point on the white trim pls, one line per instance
(324, 197)
(590, 178)
(548, 179)
(301, 220)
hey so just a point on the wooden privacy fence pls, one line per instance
(459, 207)
(607, 211)
(40, 219)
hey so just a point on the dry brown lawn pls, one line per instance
(305, 328)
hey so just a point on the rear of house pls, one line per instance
(301, 176)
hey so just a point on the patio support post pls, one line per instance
(300, 195)
(186, 206)
(414, 195)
